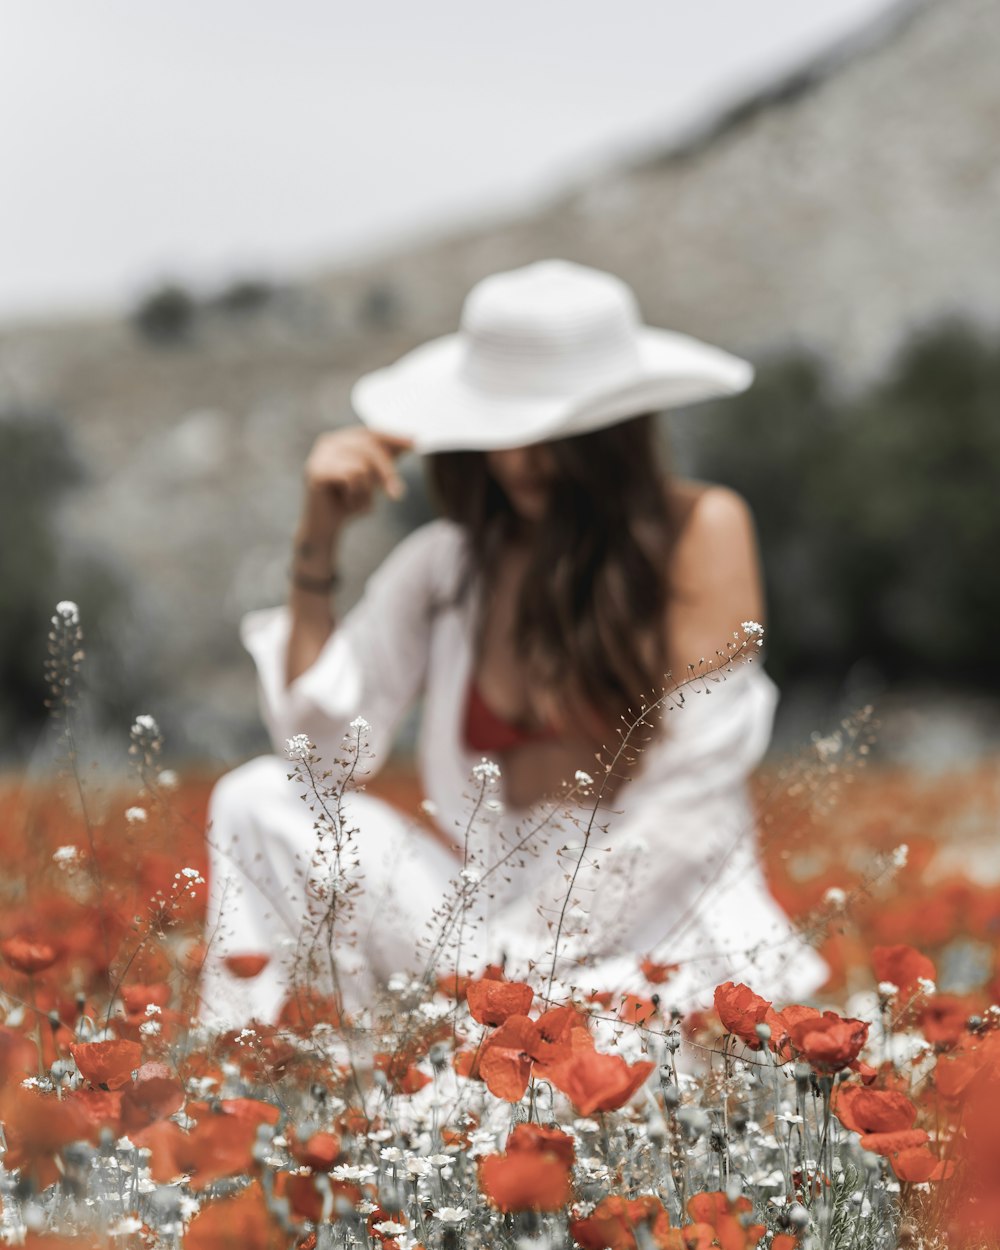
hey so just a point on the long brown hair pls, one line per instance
(591, 615)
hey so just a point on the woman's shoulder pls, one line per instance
(708, 515)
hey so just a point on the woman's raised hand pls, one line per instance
(344, 469)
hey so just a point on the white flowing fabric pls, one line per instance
(676, 875)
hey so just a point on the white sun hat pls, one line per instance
(546, 351)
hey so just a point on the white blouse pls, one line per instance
(686, 882)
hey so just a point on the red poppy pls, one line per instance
(656, 973)
(741, 1010)
(729, 1218)
(506, 1058)
(918, 1163)
(29, 955)
(903, 966)
(240, 1223)
(869, 1111)
(594, 1081)
(542, 1140)
(612, 1223)
(37, 1127)
(18, 1056)
(137, 998)
(320, 1152)
(107, 1064)
(830, 1042)
(152, 1099)
(246, 966)
(636, 1009)
(526, 1180)
(943, 1018)
(492, 1002)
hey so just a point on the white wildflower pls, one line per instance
(583, 779)
(451, 1215)
(145, 723)
(888, 990)
(150, 1028)
(299, 747)
(193, 874)
(389, 1228)
(440, 1161)
(486, 771)
(900, 855)
(127, 1225)
(66, 855)
(345, 1172)
(752, 629)
(168, 779)
(392, 1154)
(835, 897)
(153, 1010)
(418, 1167)
(471, 876)
(67, 613)
(136, 815)
(926, 986)
(359, 724)
(429, 807)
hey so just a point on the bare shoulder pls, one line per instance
(713, 519)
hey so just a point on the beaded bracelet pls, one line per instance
(318, 585)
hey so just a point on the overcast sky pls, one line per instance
(204, 139)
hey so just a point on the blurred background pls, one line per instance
(218, 216)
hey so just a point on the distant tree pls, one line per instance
(878, 516)
(166, 316)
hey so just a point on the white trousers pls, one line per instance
(262, 842)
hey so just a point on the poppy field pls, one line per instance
(475, 1111)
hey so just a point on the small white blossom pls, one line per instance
(583, 779)
(752, 628)
(486, 771)
(900, 855)
(835, 897)
(440, 1161)
(926, 986)
(418, 1167)
(153, 1010)
(145, 723)
(150, 1028)
(193, 873)
(359, 724)
(299, 747)
(888, 990)
(451, 1215)
(136, 815)
(127, 1225)
(429, 807)
(470, 875)
(168, 779)
(389, 1228)
(345, 1172)
(392, 1154)
(68, 613)
(65, 855)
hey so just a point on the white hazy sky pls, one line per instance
(204, 139)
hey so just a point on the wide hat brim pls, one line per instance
(424, 397)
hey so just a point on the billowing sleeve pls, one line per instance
(374, 663)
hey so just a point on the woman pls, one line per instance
(568, 581)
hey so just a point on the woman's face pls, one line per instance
(524, 475)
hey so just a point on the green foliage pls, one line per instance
(877, 514)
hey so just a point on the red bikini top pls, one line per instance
(485, 731)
